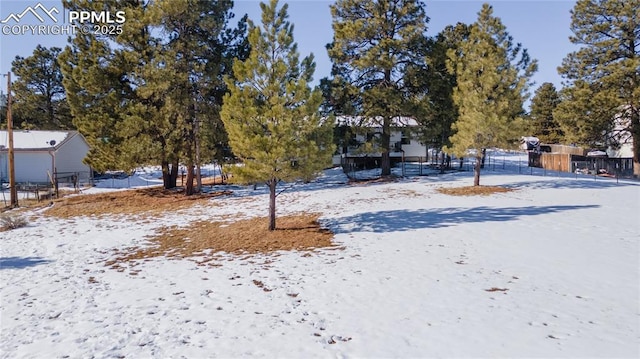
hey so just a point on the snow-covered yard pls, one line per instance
(550, 269)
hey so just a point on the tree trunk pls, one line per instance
(272, 204)
(165, 174)
(173, 175)
(196, 139)
(189, 190)
(169, 174)
(484, 155)
(385, 141)
(476, 171)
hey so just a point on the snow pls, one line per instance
(32, 139)
(550, 269)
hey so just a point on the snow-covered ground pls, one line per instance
(551, 269)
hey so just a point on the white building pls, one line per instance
(38, 155)
(403, 142)
(620, 141)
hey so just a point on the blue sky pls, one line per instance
(542, 26)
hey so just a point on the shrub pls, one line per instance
(8, 222)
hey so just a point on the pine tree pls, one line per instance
(105, 78)
(271, 114)
(436, 83)
(90, 80)
(40, 99)
(162, 81)
(543, 124)
(492, 79)
(197, 49)
(603, 76)
(374, 43)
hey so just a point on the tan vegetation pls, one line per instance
(474, 190)
(250, 236)
(12, 221)
(149, 200)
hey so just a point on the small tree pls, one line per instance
(271, 115)
(543, 124)
(492, 78)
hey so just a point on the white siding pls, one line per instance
(415, 149)
(4, 174)
(37, 164)
(70, 155)
(32, 166)
(625, 151)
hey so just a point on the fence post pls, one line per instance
(55, 177)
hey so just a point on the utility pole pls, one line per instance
(12, 170)
(197, 144)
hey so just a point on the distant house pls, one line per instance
(41, 155)
(530, 143)
(403, 144)
(620, 141)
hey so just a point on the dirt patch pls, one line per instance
(365, 181)
(151, 200)
(251, 236)
(474, 190)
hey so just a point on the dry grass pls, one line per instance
(151, 200)
(12, 221)
(474, 190)
(251, 236)
(366, 181)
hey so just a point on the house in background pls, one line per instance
(39, 156)
(620, 141)
(403, 144)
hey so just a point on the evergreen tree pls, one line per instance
(3, 110)
(198, 47)
(492, 79)
(375, 42)
(162, 79)
(603, 76)
(105, 78)
(543, 124)
(94, 93)
(271, 114)
(436, 83)
(40, 99)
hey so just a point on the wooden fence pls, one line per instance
(565, 162)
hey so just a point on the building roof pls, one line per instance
(398, 121)
(35, 140)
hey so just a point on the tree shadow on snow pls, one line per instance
(571, 183)
(21, 262)
(403, 220)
